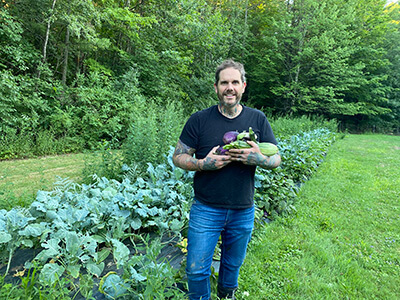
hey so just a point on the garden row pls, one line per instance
(77, 228)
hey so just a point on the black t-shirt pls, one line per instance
(232, 186)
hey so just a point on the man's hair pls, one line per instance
(230, 64)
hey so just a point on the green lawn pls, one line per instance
(21, 179)
(344, 241)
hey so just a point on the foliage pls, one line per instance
(152, 133)
(98, 109)
(318, 57)
(285, 127)
(302, 153)
(106, 162)
(31, 287)
(72, 222)
(145, 276)
(82, 68)
(32, 144)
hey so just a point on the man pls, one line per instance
(223, 184)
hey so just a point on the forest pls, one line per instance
(81, 73)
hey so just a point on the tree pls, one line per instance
(390, 121)
(20, 104)
(318, 57)
(369, 98)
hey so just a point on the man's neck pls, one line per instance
(230, 113)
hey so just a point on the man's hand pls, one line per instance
(253, 156)
(214, 161)
(183, 158)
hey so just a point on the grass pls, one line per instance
(21, 179)
(344, 241)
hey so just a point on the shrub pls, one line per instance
(154, 130)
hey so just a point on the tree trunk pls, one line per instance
(66, 53)
(245, 27)
(46, 39)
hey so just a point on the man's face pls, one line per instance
(230, 87)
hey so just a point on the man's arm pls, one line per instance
(183, 158)
(253, 156)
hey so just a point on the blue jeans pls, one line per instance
(206, 225)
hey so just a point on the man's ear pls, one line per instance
(215, 88)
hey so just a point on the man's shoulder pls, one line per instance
(205, 111)
(209, 109)
(253, 111)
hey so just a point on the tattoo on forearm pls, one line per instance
(182, 148)
(183, 157)
(209, 164)
(266, 162)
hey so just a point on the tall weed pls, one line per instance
(155, 128)
(105, 162)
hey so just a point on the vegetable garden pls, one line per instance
(104, 238)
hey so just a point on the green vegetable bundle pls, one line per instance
(240, 142)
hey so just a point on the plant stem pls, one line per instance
(9, 261)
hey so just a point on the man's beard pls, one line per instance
(223, 103)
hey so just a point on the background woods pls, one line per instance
(80, 71)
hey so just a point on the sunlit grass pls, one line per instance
(344, 241)
(21, 179)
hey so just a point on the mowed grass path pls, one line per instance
(344, 241)
(21, 179)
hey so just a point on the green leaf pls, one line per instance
(80, 214)
(74, 270)
(52, 249)
(51, 273)
(103, 254)
(95, 192)
(136, 276)
(109, 192)
(72, 242)
(136, 223)
(153, 211)
(99, 238)
(34, 230)
(95, 269)
(27, 243)
(121, 251)
(175, 225)
(113, 285)
(41, 196)
(142, 212)
(5, 237)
